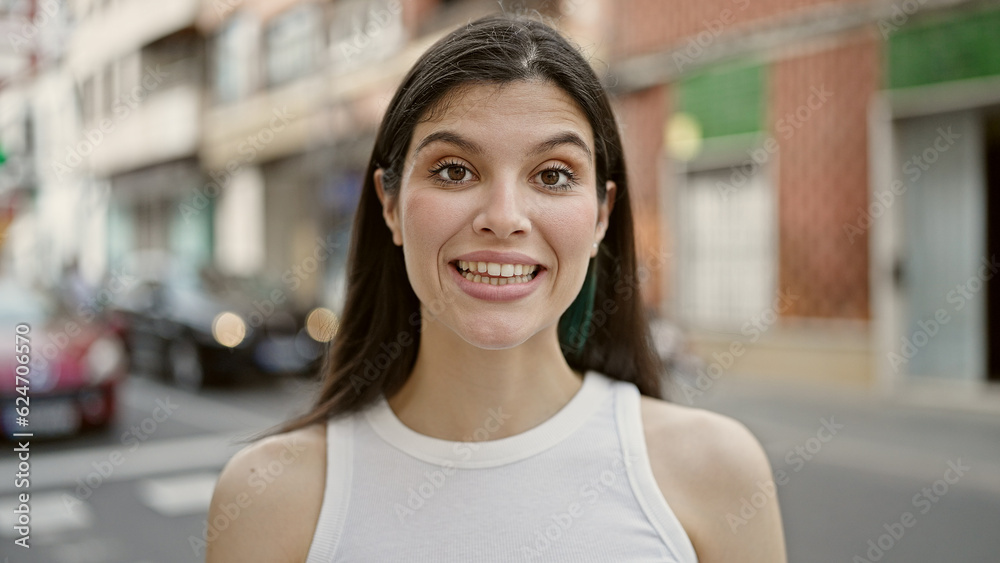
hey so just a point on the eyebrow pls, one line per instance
(452, 138)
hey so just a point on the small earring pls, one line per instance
(595, 245)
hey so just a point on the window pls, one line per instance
(180, 56)
(109, 91)
(293, 43)
(236, 56)
(363, 32)
(88, 98)
(726, 240)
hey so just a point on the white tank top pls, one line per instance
(578, 487)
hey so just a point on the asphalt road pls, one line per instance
(848, 467)
(139, 492)
(895, 482)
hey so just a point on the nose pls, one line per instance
(503, 209)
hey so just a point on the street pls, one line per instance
(922, 484)
(848, 468)
(139, 492)
(801, 198)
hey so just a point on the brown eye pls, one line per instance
(550, 177)
(456, 173)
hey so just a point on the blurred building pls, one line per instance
(36, 114)
(296, 92)
(827, 180)
(139, 66)
(812, 180)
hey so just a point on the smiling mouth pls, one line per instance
(496, 274)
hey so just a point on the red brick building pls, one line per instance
(771, 148)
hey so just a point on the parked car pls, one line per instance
(196, 328)
(70, 367)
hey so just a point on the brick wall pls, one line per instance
(822, 162)
(642, 117)
(416, 12)
(643, 26)
(823, 174)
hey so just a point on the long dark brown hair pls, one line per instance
(376, 344)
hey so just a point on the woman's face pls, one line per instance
(501, 180)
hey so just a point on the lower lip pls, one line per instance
(490, 292)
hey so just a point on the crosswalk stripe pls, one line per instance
(92, 467)
(178, 495)
(50, 514)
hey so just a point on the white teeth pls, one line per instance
(508, 271)
(497, 281)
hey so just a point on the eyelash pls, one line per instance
(571, 179)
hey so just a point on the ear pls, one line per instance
(604, 212)
(390, 211)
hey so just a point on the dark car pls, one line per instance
(196, 328)
(60, 372)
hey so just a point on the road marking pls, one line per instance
(91, 467)
(179, 495)
(50, 516)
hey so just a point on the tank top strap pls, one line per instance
(337, 491)
(628, 416)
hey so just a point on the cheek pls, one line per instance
(428, 222)
(569, 229)
(426, 218)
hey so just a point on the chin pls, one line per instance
(494, 336)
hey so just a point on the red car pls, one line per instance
(74, 366)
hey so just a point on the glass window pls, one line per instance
(726, 274)
(236, 59)
(293, 43)
(363, 32)
(88, 98)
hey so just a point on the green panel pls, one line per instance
(945, 48)
(726, 100)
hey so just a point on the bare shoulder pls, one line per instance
(705, 464)
(268, 498)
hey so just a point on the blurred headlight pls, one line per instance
(322, 324)
(104, 358)
(229, 329)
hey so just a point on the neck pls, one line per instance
(459, 392)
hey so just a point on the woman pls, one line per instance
(492, 393)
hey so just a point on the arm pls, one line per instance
(706, 465)
(743, 518)
(268, 498)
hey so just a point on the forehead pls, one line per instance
(512, 113)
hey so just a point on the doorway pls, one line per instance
(992, 153)
(944, 328)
